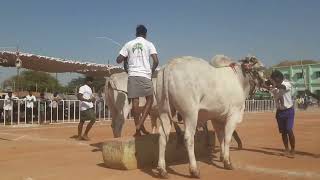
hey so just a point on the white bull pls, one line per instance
(200, 91)
(118, 103)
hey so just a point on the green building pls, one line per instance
(302, 76)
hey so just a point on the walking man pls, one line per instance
(86, 98)
(281, 90)
(135, 55)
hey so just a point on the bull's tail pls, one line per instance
(109, 94)
(163, 99)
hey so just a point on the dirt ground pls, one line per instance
(50, 153)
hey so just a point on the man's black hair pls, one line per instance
(277, 74)
(141, 30)
(89, 78)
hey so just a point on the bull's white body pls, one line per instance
(199, 91)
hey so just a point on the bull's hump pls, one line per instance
(186, 59)
(219, 61)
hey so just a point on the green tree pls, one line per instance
(36, 80)
(74, 84)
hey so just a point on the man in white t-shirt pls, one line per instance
(86, 98)
(54, 105)
(135, 54)
(8, 104)
(30, 99)
(282, 92)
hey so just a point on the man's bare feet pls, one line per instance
(79, 138)
(292, 153)
(85, 137)
(137, 134)
(144, 131)
(287, 153)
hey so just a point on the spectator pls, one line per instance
(8, 105)
(300, 101)
(42, 101)
(54, 106)
(308, 92)
(1, 106)
(99, 104)
(306, 102)
(30, 99)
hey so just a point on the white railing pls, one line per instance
(259, 106)
(67, 111)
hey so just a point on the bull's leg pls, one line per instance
(206, 132)
(179, 134)
(190, 129)
(220, 136)
(164, 131)
(237, 138)
(219, 129)
(229, 129)
(117, 124)
(153, 123)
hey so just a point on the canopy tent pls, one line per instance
(55, 65)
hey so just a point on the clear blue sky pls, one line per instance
(273, 30)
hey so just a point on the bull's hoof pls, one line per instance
(163, 173)
(227, 165)
(195, 173)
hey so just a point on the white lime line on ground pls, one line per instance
(28, 137)
(17, 128)
(280, 172)
(20, 137)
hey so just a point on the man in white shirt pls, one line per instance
(281, 89)
(30, 99)
(8, 104)
(86, 98)
(54, 105)
(135, 54)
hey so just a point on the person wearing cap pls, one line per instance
(135, 55)
(87, 112)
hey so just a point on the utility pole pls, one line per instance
(18, 66)
(56, 81)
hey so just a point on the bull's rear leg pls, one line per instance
(238, 140)
(206, 132)
(219, 129)
(190, 129)
(229, 129)
(153, 123)
(164, 131)
(179, 134)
